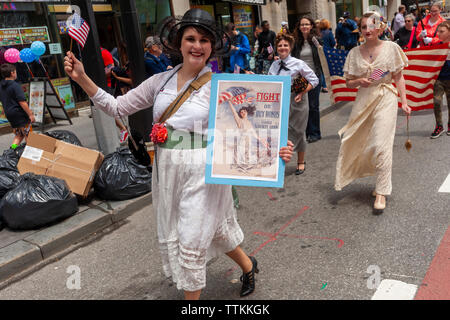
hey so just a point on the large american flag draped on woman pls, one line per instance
(424, 65)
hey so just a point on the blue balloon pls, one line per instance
(38, 48)
(26, 55)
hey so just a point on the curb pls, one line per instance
(41, 247)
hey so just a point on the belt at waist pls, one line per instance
(183, 140)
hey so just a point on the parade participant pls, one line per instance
(15, 104)
(442, 85)
(426, 30)
(405, 37)
(196, 221)
(306, 49)
(298, 110)
(368, 137)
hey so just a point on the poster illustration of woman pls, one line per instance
(246, 124)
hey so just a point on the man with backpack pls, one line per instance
(240, 48)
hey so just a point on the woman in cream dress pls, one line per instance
(368, 137)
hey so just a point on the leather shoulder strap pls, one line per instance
(177, 103)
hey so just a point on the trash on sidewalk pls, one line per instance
(121, 177)
(74, 164)
(37, 201)
(8, 180)
(9, 159)
(64, 135)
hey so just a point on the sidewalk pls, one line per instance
(21, 253)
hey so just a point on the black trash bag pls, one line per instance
(121, 177)
(9, 159)
(64, 135)
(8, 180)
(37, 201)
(140, 154)
(19, 149)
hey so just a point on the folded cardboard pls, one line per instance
(48, 156)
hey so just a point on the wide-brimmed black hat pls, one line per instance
(170, 27)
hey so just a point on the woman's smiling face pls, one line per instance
(196, 48)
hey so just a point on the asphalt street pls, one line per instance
(311, 242)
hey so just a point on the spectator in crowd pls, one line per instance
(399, 19)
(347, 37)
(155, 60)
(284, 27)
(266, 41)
(15, 104)
(254, 50)
(405, 36)
(326, 34)
(306, 49)
(317, 26)
(426, 31)
(442, 85)
(240, 48)
(385, 31)
(328, 41)
(338, 34)
(108, 63)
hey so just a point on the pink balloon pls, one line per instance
(12, 55)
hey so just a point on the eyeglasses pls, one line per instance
(408, 20)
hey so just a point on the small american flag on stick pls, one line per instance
(78, 29)
(377, 74)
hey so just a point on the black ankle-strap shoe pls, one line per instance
(248, 279)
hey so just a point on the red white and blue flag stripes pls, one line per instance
(78, 29)
(424, 66)
(237, 95)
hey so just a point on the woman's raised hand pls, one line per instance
(287, 152)
(73, 67)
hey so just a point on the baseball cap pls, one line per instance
(346, 14)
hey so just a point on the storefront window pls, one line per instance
(150, 13)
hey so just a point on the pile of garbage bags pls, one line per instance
(32, 201)
(121, 177)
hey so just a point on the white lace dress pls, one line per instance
(196, 221)
(368, 137)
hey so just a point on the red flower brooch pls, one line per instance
(159, 133)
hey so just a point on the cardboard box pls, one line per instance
(48, 156)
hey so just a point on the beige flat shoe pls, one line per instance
(379, 204)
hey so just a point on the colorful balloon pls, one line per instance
(12, 55)
(38, 48)
(26, 55)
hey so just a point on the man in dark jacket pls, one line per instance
(266, 40)
(347, 37)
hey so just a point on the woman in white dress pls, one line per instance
(367, 139)
(299, 108)
(196, 221)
